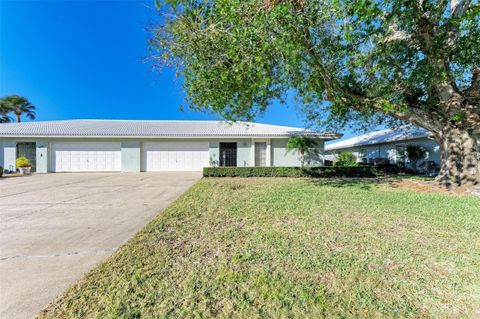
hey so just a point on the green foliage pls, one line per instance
(17, 105)
(1, 171)
(306, 146)
(4, 117)
(458, 117)
(22, 161)
(369, 58)
(317, 172)
(346, 159)
(414, 154)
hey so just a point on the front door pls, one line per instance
(29, 150)
(228, 154)
(260, 154)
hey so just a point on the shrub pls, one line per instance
(380, 161)
(414, 154)
(346, 159)
(1, 171)
(318, 171)
(22, 161)
(389, 169)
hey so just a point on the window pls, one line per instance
(363, 155)
(400, 154)
(260, 154)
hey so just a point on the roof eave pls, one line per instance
(370, 144)
(319, 136)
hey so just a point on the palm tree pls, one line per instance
(305, 146)
(18, 105)
(4, 118)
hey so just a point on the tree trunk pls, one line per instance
(302, 158)
(460, 156)
(19, 118)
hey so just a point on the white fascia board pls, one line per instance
(159, 136)
(377, 143)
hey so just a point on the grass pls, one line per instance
(420, 178)
(292, 248)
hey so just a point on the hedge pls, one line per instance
(318, 171)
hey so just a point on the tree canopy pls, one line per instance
(374, 61)
(236, 56)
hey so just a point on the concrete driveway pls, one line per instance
(55, 227)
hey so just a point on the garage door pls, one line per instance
(86, 157)
(175, 156)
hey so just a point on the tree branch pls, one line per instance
(398, 35)
(474, 88)
(357, 99)
(458, 7)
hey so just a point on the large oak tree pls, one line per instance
(373, 60)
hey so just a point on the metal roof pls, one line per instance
(152, 129)
(378, 137)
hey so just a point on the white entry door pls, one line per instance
(86, 157)
(175, 156)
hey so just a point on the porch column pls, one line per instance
(131, 156)
(41, 156)
(9, 155)
(252, 153)
(268, 157)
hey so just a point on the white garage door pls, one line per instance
(175, 156)
(86, 157)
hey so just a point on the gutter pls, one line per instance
(324, 137)
(429, 136)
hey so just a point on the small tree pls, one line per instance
(346, 159)
(414, 154)
(305, 146)
(22, 161)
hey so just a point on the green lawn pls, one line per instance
(292, 248)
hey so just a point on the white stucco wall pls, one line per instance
(277, 154)
(1, 153)
(131, 156)
(42, 154)
(9, 154)
(281, 157)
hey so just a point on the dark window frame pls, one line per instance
(228, 154)
(29, 150)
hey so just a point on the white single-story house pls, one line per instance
(389, 144)
(135, 146)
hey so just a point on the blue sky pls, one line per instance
(85, 59)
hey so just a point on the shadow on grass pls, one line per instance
(420, 178)
(362, 183)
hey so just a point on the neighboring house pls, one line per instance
(134, 146)
(1, 153)
(389, 144)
